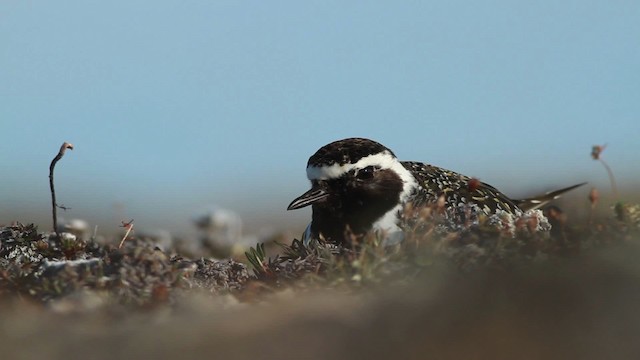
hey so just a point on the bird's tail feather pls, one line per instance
(538, 201)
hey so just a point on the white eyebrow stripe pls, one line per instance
(384, 160)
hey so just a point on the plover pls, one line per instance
(358, 185)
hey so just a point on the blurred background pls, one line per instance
(176, 108)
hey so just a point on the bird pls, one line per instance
(359, 185)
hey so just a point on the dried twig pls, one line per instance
(594, 196)
(129, 227)
(596, 152)
(95, 233)
(54, 205)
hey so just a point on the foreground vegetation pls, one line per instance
(479, 291)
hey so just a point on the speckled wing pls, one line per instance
(457, 188)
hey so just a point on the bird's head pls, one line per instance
(354, 181)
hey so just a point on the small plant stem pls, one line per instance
(612, 179)
(129, 227)
(95, 233)
(54, 205)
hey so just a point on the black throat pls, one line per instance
(355, 205)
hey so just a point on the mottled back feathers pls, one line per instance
(457, 189)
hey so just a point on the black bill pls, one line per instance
(308, 198)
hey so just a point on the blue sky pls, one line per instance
(174, 106)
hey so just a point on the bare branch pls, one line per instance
(54, 205)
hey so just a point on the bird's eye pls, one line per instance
(366, 173)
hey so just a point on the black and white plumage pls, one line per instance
(360, 185)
